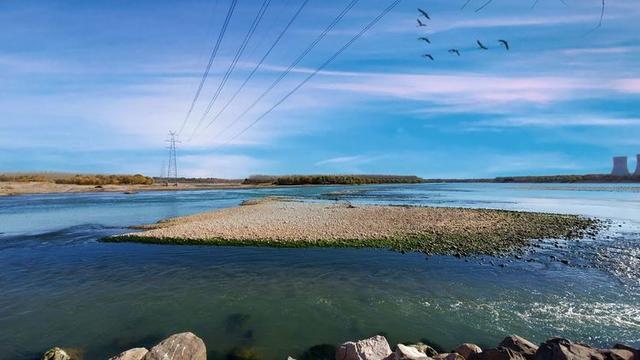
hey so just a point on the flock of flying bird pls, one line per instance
(425, 14)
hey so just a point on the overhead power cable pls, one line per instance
(311, 46)
(234, 62)
(320, 68)
(257, 67)
(214, 53)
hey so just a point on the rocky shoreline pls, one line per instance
(188, 346)
(281, 222)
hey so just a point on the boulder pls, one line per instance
(629, 348)
(183, 346)
(404, 352)
(131, 354)
(617, 354)
(500, 353)
(520, 345)
(374, 348)
(431, 352)
(449, 356)
(563, 349)
(625, 347)
(468, 351)
(56, 354)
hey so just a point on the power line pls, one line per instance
(214, 53)
(320, 68)
(257, 67)
(234, 62)
(294, 63)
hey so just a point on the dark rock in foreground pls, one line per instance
(187, 346)
(468, 351)
(525, 347)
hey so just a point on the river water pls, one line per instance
(61, 286)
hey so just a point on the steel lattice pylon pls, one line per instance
(172, 166)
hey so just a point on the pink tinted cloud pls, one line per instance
(629, 85)
(466, 88)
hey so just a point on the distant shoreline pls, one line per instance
(34, 188)
(547, 179)
(14, 188)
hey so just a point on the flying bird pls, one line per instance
(454, 51)
(505, 43)
(428, 56)
(420, 23)
(424, 13)
(425, 39)
(481, 45)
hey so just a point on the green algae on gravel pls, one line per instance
(516, 231)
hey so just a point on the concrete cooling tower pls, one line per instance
(620, 166)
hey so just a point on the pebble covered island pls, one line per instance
(284, 222)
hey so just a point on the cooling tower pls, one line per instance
(637, 173)
(620, 166)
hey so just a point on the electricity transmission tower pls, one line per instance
(172, 167)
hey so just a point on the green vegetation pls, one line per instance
(332, 179)
(24, 178)
(59, 178)
(198, 181)
(107, 180)
(394, 179)
(592, 178)
(558, 179)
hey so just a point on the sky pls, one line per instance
(95, 87)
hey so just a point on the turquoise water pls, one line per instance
(60, 286)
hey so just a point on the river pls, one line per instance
(61, 286)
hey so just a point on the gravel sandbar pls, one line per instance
(286, 223)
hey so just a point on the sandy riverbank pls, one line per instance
(8, 188)
(287, 223)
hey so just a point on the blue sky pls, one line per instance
(94, 86)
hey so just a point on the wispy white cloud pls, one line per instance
(461, 89)
(350, 160)
(599, 50)
(556, 121)
(514, 21)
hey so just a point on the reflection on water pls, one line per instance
(60, 286)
